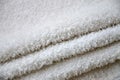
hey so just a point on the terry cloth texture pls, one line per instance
(60, 39)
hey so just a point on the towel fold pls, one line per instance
(109, 72)
(68, 25)
(62, 51)
(77, 65)
(60, 40)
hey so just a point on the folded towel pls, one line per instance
(59, 40)
(77, 65)
(109, 72)
(69, 24)
(61, 51)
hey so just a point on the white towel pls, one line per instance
(59, 40)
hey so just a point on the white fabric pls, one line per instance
(58, 40)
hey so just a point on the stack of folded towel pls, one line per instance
(60, 39)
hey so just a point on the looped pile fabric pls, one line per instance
(60, 39)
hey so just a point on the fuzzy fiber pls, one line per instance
(60, 40)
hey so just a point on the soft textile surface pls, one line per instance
(109, 72)
(59, 40)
